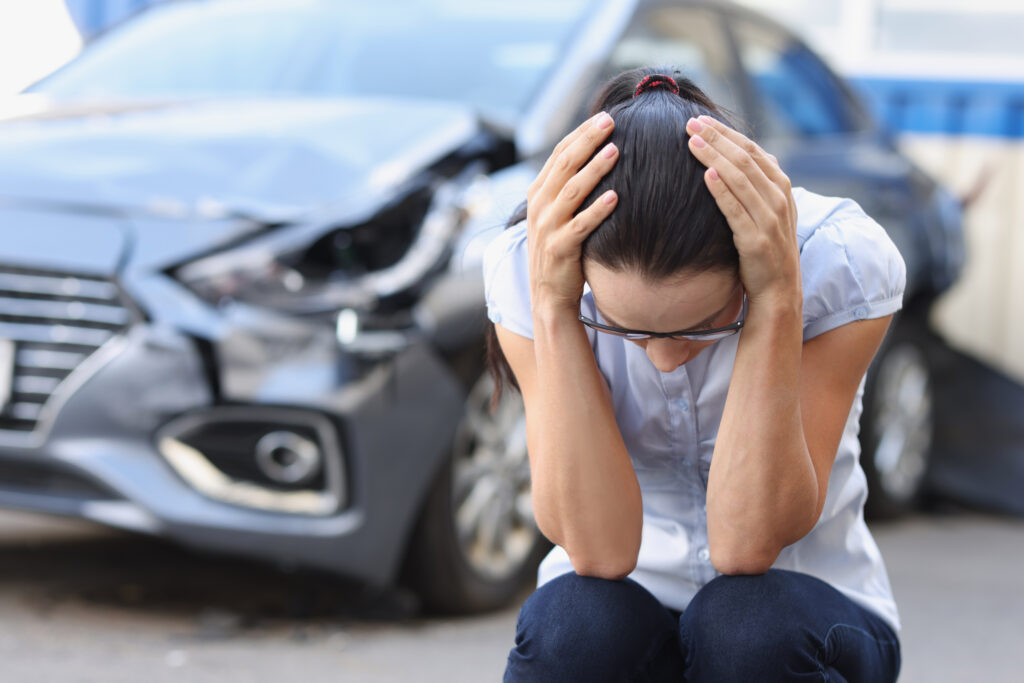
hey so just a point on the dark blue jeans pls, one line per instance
(778, 626)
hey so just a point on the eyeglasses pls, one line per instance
(691, 335)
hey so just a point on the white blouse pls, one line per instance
(851, 270)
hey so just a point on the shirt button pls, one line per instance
(860, 312)
(704, 554)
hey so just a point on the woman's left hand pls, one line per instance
(757, 200)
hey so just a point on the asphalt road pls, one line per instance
(80, 603)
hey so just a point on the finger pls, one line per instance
(577, 188)
(732, 208)
(739, 156)
(738, 177)
(566, 163)
(767, 162)
(559, 148)
(562, 145)
(584, 223)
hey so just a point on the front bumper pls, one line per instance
(96, 455)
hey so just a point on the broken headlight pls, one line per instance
(304, 270)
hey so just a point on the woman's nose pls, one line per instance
(668, 354)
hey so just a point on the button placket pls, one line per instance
(679, 405)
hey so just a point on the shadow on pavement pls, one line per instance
(52, 564)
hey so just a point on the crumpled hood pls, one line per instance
(201, 163)
(274, 155)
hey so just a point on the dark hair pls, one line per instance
(666, 219)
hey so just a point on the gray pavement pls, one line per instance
(80, 603)
(959, 585)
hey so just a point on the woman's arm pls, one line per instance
(788, 401)
(585, 494)
(783, 420)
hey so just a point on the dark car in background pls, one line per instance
(241, 304)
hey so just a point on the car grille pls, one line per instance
(56, 321)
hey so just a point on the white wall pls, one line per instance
(983, 314)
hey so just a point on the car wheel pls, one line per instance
(898, 422)
(477, 546)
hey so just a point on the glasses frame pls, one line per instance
(682, 335)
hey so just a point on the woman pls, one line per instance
(690, 337)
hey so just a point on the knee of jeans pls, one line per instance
(746, 616)
(573, 613)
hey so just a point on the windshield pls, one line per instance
(491, 54)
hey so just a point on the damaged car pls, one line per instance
(241, 303)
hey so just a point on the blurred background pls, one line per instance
(245, 429)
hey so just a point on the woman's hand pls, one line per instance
(554, 234)
(757, 200)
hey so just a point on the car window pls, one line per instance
(797, 94)
(690, 39)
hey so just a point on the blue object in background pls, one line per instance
(94, 16)
(989, 108)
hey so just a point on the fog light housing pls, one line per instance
(273, 459)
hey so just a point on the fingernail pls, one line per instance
(603, 120)
(609, 151)
(695, 125)
(713, 174)
(608, 197)
(697, 141)
(706, 119)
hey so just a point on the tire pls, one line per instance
(898, 422)
(476, 547)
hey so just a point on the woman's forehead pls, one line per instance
(681, 301)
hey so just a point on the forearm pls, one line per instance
(762, 489)
(585, 492)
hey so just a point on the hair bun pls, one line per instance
(655, 81)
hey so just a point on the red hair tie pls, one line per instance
(656, 81)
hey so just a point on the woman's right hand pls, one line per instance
(554, 235)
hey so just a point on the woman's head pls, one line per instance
(664, 260)
(699, 307)
(666, 222)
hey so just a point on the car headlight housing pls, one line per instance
(251, 274)
(304, 269)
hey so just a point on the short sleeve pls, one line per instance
(851, 270)
(507, 281)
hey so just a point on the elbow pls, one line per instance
(746, 552)
(743, 561)
(612, 568)
(607, 550)
(610, 564)
(612, 561)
